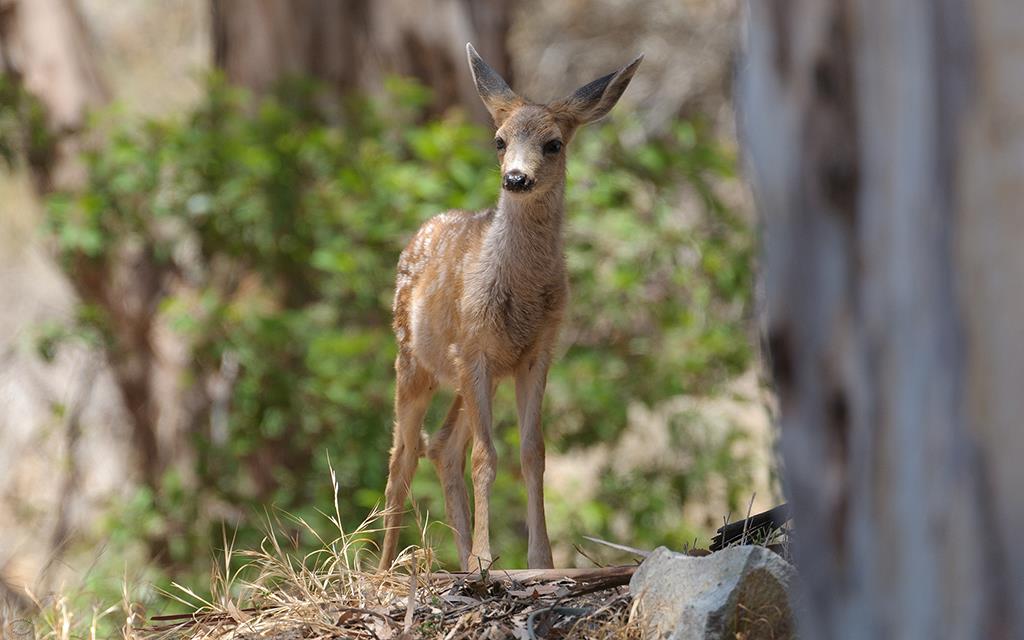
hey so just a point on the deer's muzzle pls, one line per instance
(517, 181)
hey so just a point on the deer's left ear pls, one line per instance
(494, 91)
(594, 100)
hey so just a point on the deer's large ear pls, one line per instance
(594, 100)
(494, 91)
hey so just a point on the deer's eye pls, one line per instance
(551, 147)
(499, 144)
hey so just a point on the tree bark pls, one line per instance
(886, 145)
(350, 45)
(46, 47)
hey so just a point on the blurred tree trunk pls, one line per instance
(352, 44)
(886, 141)
(46, 48)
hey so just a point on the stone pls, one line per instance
(738, 593)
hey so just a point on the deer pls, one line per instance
(479, 297)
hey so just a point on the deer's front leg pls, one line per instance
(531, 378)
(475, 387)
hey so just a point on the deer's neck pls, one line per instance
(526, 234)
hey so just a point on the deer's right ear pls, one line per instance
(499, 99)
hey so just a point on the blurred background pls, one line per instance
(202, 203)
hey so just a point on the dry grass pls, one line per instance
(58, 618)
(274, 593)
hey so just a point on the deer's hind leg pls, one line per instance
(448, 453)
(414, 387)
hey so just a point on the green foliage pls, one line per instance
(23, 129)
(277, 225)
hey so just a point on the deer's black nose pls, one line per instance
(517, 181)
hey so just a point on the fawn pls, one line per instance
(480, 296)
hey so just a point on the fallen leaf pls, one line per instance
(236, 614)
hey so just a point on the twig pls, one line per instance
(586, 555)
(468, 607)
(746, 521)
(600, 586)
(191, 619)
(410, 605)
(524, 575)
(620, 547)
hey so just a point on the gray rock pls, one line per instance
(740, 592)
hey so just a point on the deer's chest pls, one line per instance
(513, 311)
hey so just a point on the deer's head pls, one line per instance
(531, 138)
